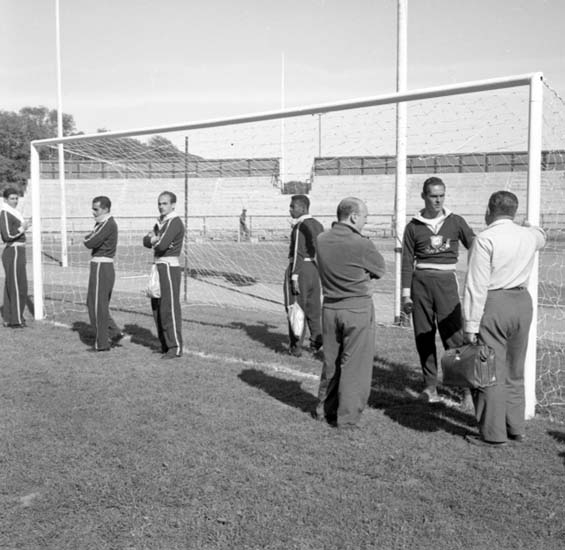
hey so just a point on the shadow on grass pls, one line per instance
(236, 279)
(395, 389)
(142, 336)
(560, 438)
(85, 332)
(263, 333)
(288, 392)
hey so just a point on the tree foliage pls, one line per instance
(17, 130)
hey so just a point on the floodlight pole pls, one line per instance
(282, 167)
(533, 216)
(401, 143)
(60, 147)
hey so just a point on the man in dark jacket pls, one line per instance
(302, 281)
(347, 261)
(166, 240)
(103, 241)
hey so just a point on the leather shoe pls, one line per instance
(480, 442)
(518, 438)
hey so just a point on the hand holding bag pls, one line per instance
(153, 288)
(469, 366)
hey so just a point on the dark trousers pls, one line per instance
(166, 309)
(504, 326)
(349, 350)
(437, 306)
(100, 285)
(15, 287)
(309, 299)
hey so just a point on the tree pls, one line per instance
(16, 132)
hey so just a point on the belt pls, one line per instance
(102, 260)
(513, 288)
(173, 261)
(16, 244)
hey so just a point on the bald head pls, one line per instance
(352, 211)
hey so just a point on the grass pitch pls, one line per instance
(217, 450)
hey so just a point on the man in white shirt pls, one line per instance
(498, 309)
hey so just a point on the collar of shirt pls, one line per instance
(102, 217)
(345, 226)
(16, 213)
(162, 220)
(301, 219)
(433, 223)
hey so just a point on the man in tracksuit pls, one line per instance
(430, 290)
(13, 228)
(103, 241)
(166, 240)
(301, 280)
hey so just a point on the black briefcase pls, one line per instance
(469, 366)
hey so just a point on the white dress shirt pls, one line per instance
(501, 257)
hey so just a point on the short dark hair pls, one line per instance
(503, 203)
(103, 201)
(171, 195)
(434, 180)
(302, 200)
(10, 191)
(348, 206)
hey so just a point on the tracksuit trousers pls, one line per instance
(15, 287)
(100, 286)
(435, 294)
(167, 311)
(310, 300)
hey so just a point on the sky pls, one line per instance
(140, 63)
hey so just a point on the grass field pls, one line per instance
(218, 449)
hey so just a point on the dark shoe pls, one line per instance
(518, 438)
(430, 395)
(172, 354)
(478, 441)
(296, 351)
(98, 349)
(116, 339)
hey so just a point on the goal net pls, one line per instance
(477, 142)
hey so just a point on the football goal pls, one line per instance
(479, 137)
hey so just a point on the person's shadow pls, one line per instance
(85, 332)
(142, 336)
(288, 392)
(395, 391)
(264, 333)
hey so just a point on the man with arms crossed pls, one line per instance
(13, 228)
(166, 240)
(301, 280)
(498, 310)
(347, 261)
(103, 241)
(430, 292)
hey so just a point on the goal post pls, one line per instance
(444, 122)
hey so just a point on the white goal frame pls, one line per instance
(533, 81)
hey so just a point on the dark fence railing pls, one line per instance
(511, 161)
(148, 169)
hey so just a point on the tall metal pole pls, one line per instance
(186, 218)
(401, 140)
(283, 167)
(319, 134)
(60, 148)
(533, 214)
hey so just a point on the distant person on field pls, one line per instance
(12, 228)
(301, 279)
(430, 290)
(347, 261)
(166, 240)
(103, 241)
(243, 229)
(498, 309)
